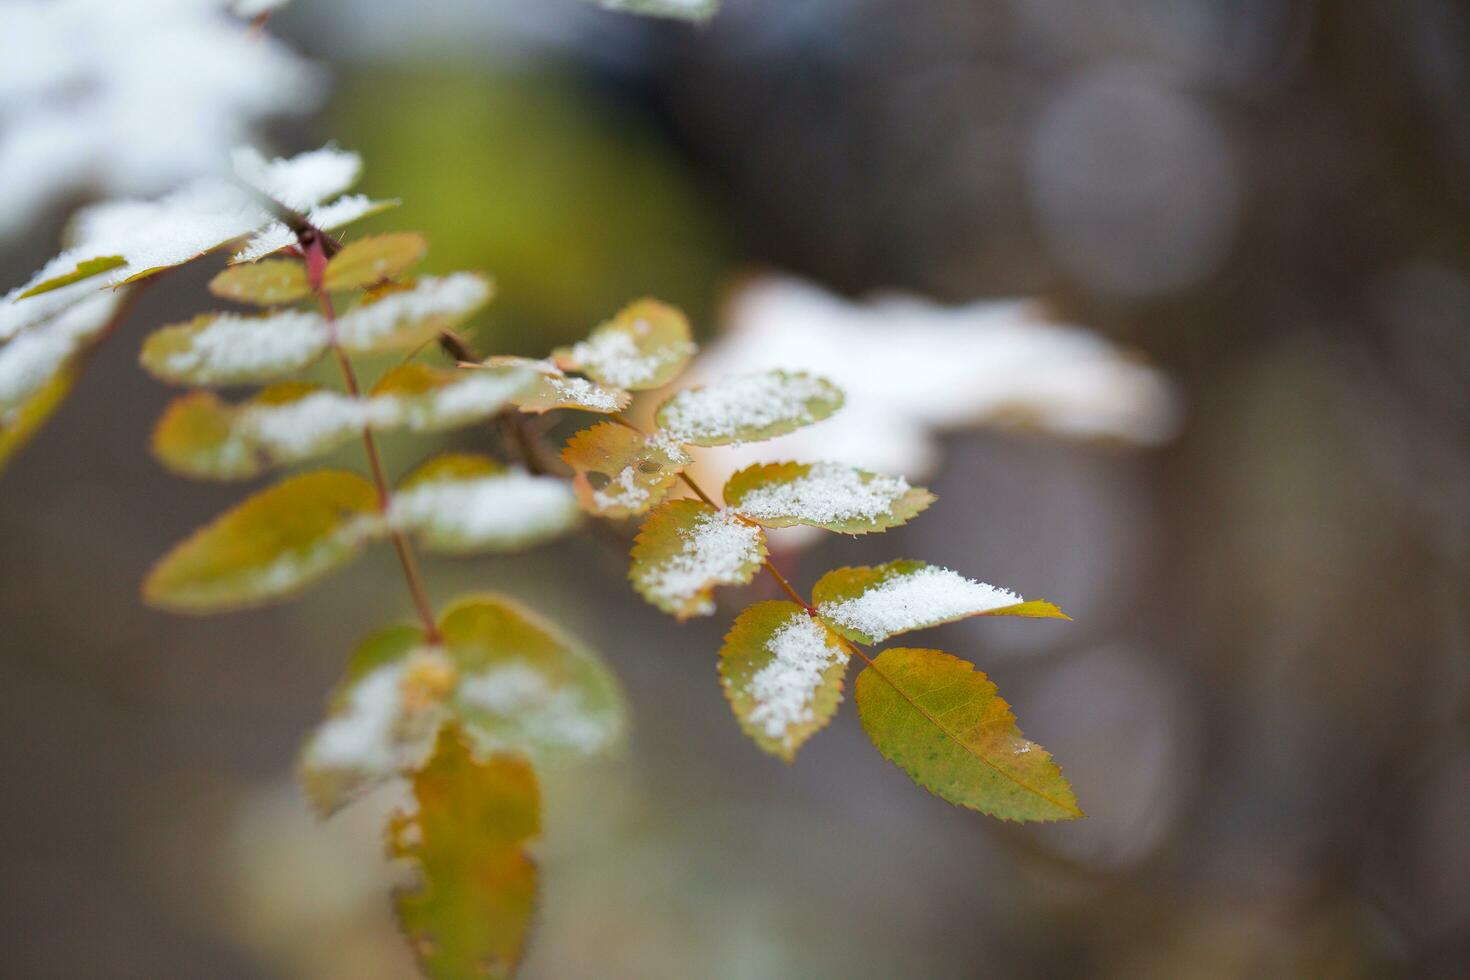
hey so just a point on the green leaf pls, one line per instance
(372, 260)
(272, 545)
(429, 400)
(686, 548)
(941, 721)
(381, 720)
(552, 389)
(828, 495)
(644, 346)
(679, 9)
(782, 670)
(525, 686)
(620, 472)
(747, 408)
(20, 424)
(85, 269)
(464, 504)
(196, 438)
(228, 349)
(509, 678)
(870, 604)
(403, 316)
(470, 912)
(269, 282)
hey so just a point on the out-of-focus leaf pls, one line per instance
(868, 604)
(20, 424)
(747, 408)
(403, 316)
(381, 719)
(645, 346)
(272, 545)
(469, 914)
(829, 495)
(433, 400)
(462, 504)
(525, 686)
(782, 670)
(686, 548)
(619, 471)
(196, 437)
(942, 722)
(328, 217)
(85, 269)
(553, 389)
(372, 260)
(269, 282)
(679, 9)
(227, 349)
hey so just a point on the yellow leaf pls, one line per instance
(619, 471)
(372, 260)
(644, 346)
(941, 721)
(829, 495)
(196, 437)
(469, 915)
(85, 269)
(686, 548)
(552, 389)
(20, 424)
(464, 504)
(228, 349)
(269, 282)
(272, 545)
(747, 408)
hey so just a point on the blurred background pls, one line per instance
(1263, 703)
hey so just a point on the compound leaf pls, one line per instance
(270, 282)
(782, 670)
(868, 604)
(275, 543)
(645, 346)
(747, 408)
(372, 260)
(620, 472)
(828, 495)
(941, 721)
(686, 548)
(470, 912)
(461, 504)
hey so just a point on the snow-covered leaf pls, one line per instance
(197, 437)
(686, 548)
(679, 9)
(830, 495)
(782, 670)
(19, 424)
(230, 349)
(469, 914)
(525, 686)
(269, 282)
(869, 604)
(463, 504)
(619, 471)
(301, 182)
(645, 346)
(430, 400)
(30, 361)
(371, 260)
(328, 217)
(84, 270)
(552, 389)
(404, 316)
(747, 408)
(941, 721)
(268, 547)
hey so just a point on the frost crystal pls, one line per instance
(715, 551)
(370, 324)
(826, 493)
(740, 404)
(784, 688)
(926, 597)
(584, 392)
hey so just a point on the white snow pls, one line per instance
(301, 182)
(784, 688)
(234, 346)
(585, 393)
(925, 597)
(474, 395)
(547, 716)
(504, 508)
(31, 360)
(274, 236)
(371, 324)
(376, 731)
(716, 550)
(613, 355)
(727, 407)
(826, 493)
(131, 97)
(297, 429)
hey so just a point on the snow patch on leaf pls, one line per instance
(747, 408)
(686, 548)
